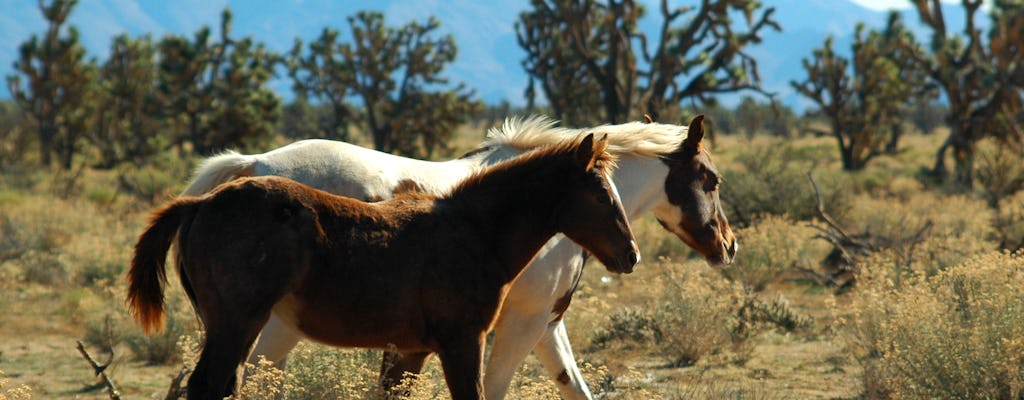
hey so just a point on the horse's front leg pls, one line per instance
(515, 335)
(462, 361)
(555, 352)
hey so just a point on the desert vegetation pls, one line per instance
(864, 271)
(932, 312)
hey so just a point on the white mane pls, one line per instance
(643, 139)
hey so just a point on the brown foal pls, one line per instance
(420, 273)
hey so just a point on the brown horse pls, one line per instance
(421, 273)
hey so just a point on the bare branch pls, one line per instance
(100, 371)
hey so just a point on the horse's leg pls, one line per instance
(215, 375)
(274, 343)
(515, 335)
(394, 366)
(555, 352)
(461, 361)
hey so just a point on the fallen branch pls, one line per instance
(100, 371)
(176, 391)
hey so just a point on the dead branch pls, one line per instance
(100, 371)
(176, 391)
(847, 248)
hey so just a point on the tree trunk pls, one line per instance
(939, 170)
(46, 136)
(894, 138)
(963, 154)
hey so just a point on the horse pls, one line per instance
(419, 272)
(663, 168)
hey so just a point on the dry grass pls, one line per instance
(957, 334)
(932, 318)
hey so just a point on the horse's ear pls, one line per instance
(601, 146)
(585, 151)
(691, 145)
(696, 132)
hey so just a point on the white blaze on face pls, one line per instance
(615, 196)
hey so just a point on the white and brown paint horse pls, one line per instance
(421, 273)
(662, 167)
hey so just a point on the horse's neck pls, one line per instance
(641, 183)
(515, 219)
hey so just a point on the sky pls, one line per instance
(489, 57)
(882, 5)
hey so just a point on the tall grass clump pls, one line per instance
(957, 334)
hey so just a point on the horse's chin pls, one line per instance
(719, 262)
(619, 266)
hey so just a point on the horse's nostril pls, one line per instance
(634, 258)
(733, 248)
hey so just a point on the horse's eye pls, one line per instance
(711, 183)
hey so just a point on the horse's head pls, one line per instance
(593, 216)
(693, 211)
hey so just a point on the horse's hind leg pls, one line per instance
(462, 361)
(227, 344)
(555, 353)
(393, 368)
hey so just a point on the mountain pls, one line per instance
(489, 57)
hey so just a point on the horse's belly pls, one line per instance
(353, 328)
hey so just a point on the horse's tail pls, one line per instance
(219, 169)
(147, 276)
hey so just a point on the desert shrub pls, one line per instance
(1000, 170)
(926, 233)
(697, 317)
(710, 388)
(772, 179)
(770, 247)
(695, 314)
(19, 393)
(163, 348)
(151, 184)
(45, 268)
(321, 372)
(955, 334)
(22, 233)
(1008, 222)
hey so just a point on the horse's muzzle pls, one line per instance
(727, 256)
(631, 259)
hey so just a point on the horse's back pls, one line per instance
(358, 172)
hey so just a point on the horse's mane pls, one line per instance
(643, 139)
(566, 148)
